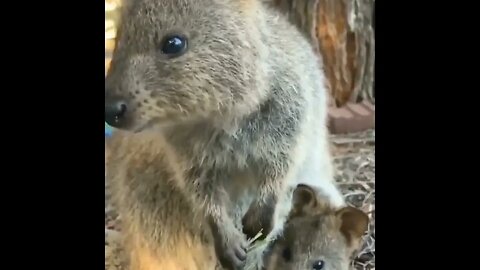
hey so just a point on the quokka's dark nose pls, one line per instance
(115, 112)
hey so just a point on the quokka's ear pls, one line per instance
(354, 223)
(304, 199)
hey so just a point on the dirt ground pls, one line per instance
(354, 159)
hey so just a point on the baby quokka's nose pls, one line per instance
(115, 112)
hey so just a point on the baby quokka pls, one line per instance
(317, 236)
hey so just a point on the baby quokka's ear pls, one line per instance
(353, 224)
(308, 201)
(304, 200)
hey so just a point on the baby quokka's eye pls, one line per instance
(174, 45)
(287, 254)
(318, 265)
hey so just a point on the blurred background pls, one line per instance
(111, 15)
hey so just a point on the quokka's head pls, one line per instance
(185, 60)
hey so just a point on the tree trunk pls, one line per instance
(342, 31)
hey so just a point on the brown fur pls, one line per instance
(183, 241)
(316, 231)
(237, 119)
(185, 254)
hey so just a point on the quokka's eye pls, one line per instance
(318, 265)
(287, 254)
(174, 45)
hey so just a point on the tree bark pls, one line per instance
(342, 32)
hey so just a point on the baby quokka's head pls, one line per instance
(178, 61)
(316, 236)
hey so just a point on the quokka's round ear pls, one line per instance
(304, 199)
(354, 223)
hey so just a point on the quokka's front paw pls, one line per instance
(231, 251)
(235, 254)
